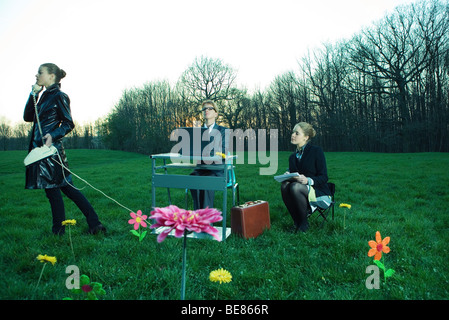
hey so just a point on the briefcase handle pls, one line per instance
(250, 203)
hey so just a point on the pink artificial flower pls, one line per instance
(173, 217)
(86, 288)
(138, 219)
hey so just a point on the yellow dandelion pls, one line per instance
(220, 154)
(345, 205)
(220, 275)
(45, 258)
(69, 222)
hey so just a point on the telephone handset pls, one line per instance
(45, 151)
(36, 88)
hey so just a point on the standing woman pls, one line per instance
(56, 121)
(302, 194)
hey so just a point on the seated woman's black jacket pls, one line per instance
(313, 165)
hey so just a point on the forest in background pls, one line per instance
(386, 89)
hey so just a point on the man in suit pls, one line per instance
(205, 198)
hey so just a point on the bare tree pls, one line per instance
(284, 92)
(396, 50)
(232, 110)
(209, 79)
(5, 135)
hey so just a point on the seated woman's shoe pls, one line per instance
(301, 228)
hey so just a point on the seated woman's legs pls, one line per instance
(295, 197)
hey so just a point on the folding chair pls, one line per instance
(325, 212)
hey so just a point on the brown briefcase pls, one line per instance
(250, 219)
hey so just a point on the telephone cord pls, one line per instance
(86, 182)
(60, 162)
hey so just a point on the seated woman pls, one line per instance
(302, 194)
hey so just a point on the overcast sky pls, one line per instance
(107, 46)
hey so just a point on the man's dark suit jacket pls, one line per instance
(224, 138)
(205, 198)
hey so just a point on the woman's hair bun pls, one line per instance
(63, 74)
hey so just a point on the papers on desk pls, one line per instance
(173, 155)
(179, 158)
(195, 235)
(287, 176)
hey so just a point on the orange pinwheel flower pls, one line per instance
(378, 246)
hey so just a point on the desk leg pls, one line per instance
(168, 189)
(153, 189)
(225, 199)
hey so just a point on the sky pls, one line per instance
(108, 46)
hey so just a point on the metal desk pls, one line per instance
(187, 181)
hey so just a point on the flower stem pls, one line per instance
(184, 256)
(71, 244)
(40, 276)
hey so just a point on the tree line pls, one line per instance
(18, 137)
(385, 89)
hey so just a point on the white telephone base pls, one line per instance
(39, 153)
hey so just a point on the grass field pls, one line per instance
(404, 196)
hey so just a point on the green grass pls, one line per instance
(404, 196)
